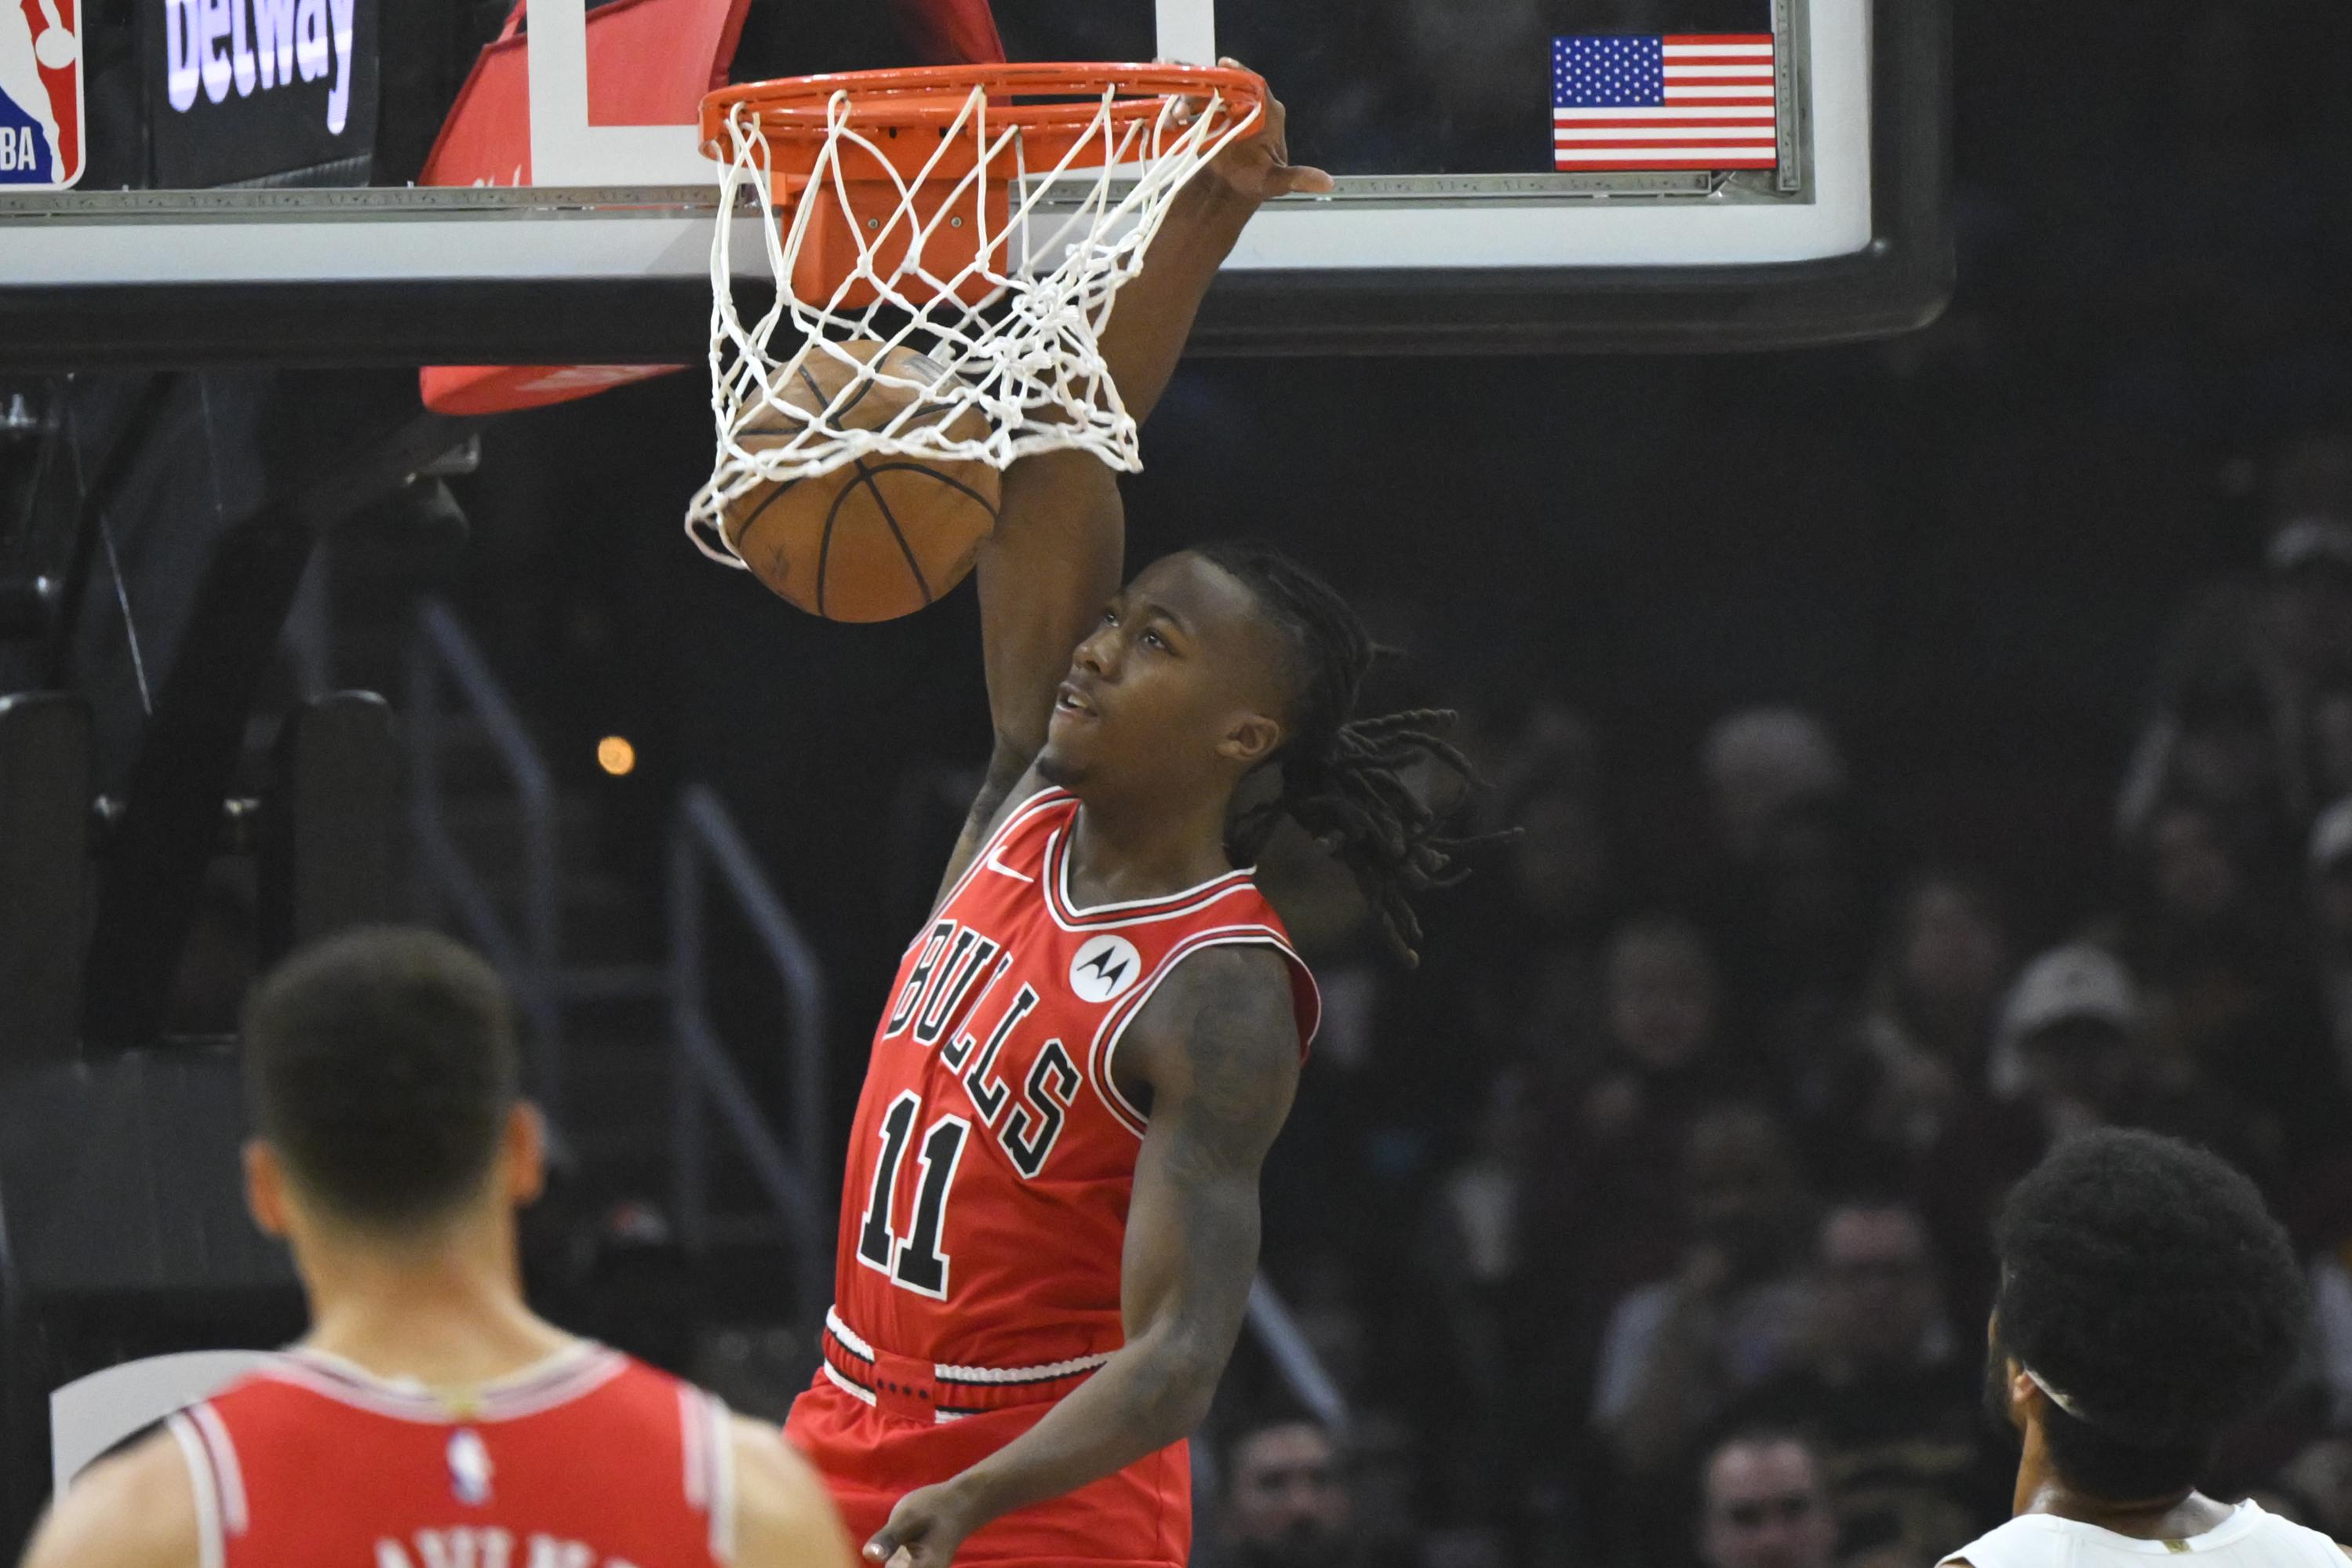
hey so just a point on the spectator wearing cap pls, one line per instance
(2070, 1053)
(2067, 1038)
(1891, 1398)
(1763, 1504)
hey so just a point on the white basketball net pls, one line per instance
(1027, 357)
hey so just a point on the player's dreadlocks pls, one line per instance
(1343, 778)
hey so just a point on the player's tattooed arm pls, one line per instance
(1216, 1051)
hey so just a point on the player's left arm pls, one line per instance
(133, 1510)
(1218, 1048)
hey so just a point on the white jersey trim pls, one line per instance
(947, 1371)
(1100, 1054)
(1167, 906)
(569, 1373)
(212, 1552)
(690, 1436)
(1051, 1371)
(225, 1470)
(1050, 795)
(863, 1394)
(722, 1444)
(847, 1335)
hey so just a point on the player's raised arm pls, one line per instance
(1056, 554)
(1218, 1048)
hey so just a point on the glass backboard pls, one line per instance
(1529, 174)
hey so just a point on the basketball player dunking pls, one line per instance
(2147, 1302)
(1050, 1221)
(429, 1420)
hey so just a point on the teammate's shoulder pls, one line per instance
(784, 1514)
(134, 1510)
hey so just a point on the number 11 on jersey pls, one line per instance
(913, 1261)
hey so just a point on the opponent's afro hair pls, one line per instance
(2146, 1280)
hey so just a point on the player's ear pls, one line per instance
(1250, 740)
(522, 1155)
(264, 1188)
(2027, 1402)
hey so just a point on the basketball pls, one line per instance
(882, 536)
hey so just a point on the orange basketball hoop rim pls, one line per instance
(1060, 111)
(984, 215)
(903, 182)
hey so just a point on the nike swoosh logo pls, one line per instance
(1001, 869)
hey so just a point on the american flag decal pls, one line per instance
(1694, 100)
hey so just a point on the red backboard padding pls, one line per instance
(650, 63)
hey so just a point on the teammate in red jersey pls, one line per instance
(1049, 1225)
(428, 1420)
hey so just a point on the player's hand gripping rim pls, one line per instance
(1258, 167)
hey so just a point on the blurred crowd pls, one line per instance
(1647, 1223)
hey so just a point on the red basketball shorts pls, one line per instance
(1140, 1518)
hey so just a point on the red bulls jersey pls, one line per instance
(985, 1203)
(587, 1460)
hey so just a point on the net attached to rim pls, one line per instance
(983, 216)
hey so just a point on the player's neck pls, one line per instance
(2174, 1516)
(1123, 849)
(450, 1315)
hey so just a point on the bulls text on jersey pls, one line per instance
(1027, 1121)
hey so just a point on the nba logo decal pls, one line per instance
(1105, 968)
(469, 1468)
(41, 93)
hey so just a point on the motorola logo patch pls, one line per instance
(1106, 968)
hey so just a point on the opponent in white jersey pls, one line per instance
(2148, 1302)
